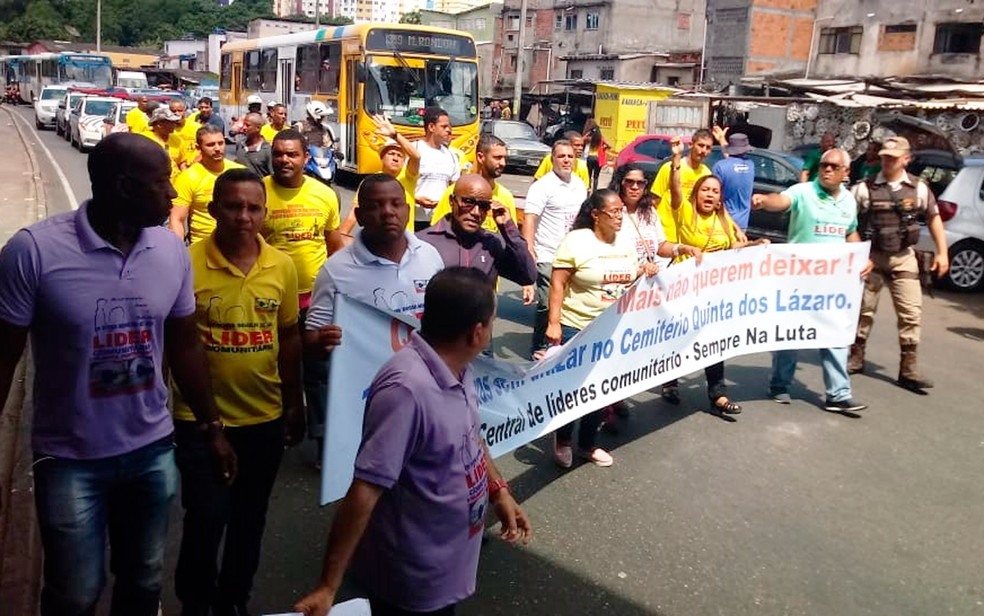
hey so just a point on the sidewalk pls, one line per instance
(20, 548)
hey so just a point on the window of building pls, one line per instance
(529, 21)
(512, 61)
(570, 22)
(480, 24)
(512, 22)
(509, 37)
(897, 37)
(841, 40)
(900, 28)
(958, 38)
(591, 21)
(559, 20)
(575, 73)
(673, 80)
(607, 73)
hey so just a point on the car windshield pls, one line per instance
(513, 130)
(50, 94)
(90, 72)
(98, 107)
(402, 91)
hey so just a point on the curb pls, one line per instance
(40, 200)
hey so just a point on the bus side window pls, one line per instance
(251, 72)
(306, 70)
(268, 70)
(330, 70)
(226, 72)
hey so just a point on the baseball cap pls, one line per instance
(389, 143)
(254, 99)
(895, 146)
(163, 113)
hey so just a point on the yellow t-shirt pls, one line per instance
(174, 154)
(268, 132)
(137, 120)
(499, 193)
(661, 188)
(296, 223)
(601, 272)
(709, 233)
(580, 169)
(238, 317)
(194, 187)
(184, 140)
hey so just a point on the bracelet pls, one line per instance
(212, 427)
(675, 167)
(497, 486)
(676, 250)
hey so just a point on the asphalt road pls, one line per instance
(789, 510)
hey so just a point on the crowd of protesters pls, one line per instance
(182, 324)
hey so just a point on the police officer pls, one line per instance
(889, 208)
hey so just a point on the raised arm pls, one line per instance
(676, 190)
(776, 202)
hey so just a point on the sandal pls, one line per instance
(671, 393)
(727, 407)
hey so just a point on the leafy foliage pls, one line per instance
(125, 22)
(413, 17)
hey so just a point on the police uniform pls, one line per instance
(888, 216)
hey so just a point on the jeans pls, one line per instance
(379, 608)
(594, 171)
(315, 378)
(543, 271)
(587, 432)
(77, 502)
(211, 508)
(835, 378)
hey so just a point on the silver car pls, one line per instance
(523, 150)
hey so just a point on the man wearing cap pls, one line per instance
(737, 175)
(890, 206)
(252, 150)
(163, 122)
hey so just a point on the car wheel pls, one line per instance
(966, 266)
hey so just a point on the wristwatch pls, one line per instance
(497, 486)
(210, 428)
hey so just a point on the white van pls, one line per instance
(131, 79)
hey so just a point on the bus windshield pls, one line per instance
(98, 74)
(402, 91)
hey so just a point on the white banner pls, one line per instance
(736, 302)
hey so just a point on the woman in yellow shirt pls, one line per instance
(703, 223)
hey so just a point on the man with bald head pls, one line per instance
(461, 240)
(112, 293)
(136, 118)
(184, 137)
(821, 211)
(252, 150)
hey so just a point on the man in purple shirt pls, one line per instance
(103, 292)
(461, 240)
(411, 524)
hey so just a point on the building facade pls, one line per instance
(900, 38)
(259, 28)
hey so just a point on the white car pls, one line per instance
(962, 208)
(115, 121)
(85, 122)
(46, 106)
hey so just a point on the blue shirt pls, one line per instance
(737, 175)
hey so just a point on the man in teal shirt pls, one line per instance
(821, 211)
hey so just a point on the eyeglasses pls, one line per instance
(639, 183)
(833, 166)
(613, 213)
(470, 203)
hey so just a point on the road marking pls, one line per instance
(72, 199)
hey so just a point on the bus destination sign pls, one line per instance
(420, 42)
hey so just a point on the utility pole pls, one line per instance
(317, 13)
(99, 18)
(520, 62)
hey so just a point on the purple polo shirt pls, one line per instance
(97, 330)
(421, 443)
(495, 254)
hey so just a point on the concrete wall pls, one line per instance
(887, 55)
(630, 25)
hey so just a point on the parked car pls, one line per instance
(648, 151)
(64, 109)
(86, 120)
(523, 150)
(46, 106)
(962, 209)
(115, 120)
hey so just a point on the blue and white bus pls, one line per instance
(47, 69)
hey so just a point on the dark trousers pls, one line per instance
(716, 387)
(213, 508)
(594, 172)
(380, 608)
(587, 433)
(543, 272)
(315, 379)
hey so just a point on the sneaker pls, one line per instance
(782, 397)
(850, 405)
(563, 454)
(598, 456)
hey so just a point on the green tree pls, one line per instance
(412, 17)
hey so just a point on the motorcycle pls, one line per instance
(323, 163)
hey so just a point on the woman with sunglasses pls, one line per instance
(591, 270)
(703, 225)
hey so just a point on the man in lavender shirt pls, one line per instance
(103, 292)
(411, 524)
